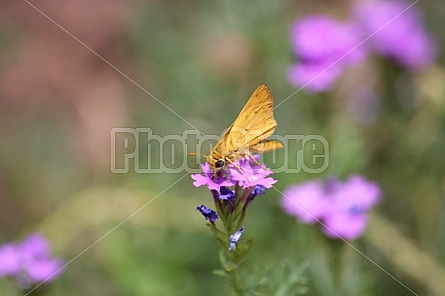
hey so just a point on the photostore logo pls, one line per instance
(139, 150)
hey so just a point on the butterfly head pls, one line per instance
(217, 163)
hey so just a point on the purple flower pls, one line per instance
(342, 225)
(350, 205)
(34, 247)
(258, 190)
(356, 193)
(36, 261)
(306, 201)
(324, 47)
(29, 262)
(208, 213)
(400, 32)
(323, 39)
(251, 174)
(246, 174)
(341, 207)
(234, 238)
(211, 180)
(39, 271)
(226, 194)
(10, 260)
(314, 77)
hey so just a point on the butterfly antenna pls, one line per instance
(195, 153)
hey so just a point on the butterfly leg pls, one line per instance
(256, 162)
(238, 168)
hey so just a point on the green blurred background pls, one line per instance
(59, 102)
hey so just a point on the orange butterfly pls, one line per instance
(248, 133)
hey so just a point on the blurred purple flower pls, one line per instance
(342, 225)
(323, 39)
(342, 207)
(400, 31)
(40, 270)
(29, 262)
(34, 247)
(306, 201)
(323, 47)
(314, 77)
(10, 260)
(234, 238)
(351, 202)
(37, 264)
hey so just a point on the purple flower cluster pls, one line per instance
(325, 47)
(246, 174)
(341, 207)
(29, 262)
(233, 189)
(399, 32)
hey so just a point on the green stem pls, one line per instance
(236, 282)
(231, 270)
(232, 221)
(220, 210)
(240, 210)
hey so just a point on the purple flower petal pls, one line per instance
(29, 261)
(341, 206)
(210, 180)
(250, 174)
(10, 260)
(234, 238)
(41, 270)
(306, 201)
(208, 213)
(399, 32)
(35, 247)
(344, 226)
(357, 192)
(323, 39)
(323, 47)
(314, 77)
(258, 190)
(226, 194)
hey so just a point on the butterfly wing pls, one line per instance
(265, 146)
(254, 123)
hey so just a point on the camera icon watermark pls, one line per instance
(141, 151)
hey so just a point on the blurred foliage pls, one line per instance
(59, 102)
